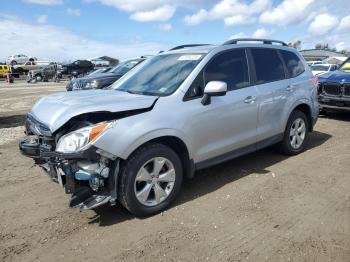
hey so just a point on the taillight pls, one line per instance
(314, 80)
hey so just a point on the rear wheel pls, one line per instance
(150, 180)
(296, 134)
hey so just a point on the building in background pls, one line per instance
(104, 61)
(322, 54)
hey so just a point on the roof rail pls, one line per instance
(184, 46)
(265, 41)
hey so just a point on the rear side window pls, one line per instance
(230, 67)
(268, 65)
(294, 65)
(0, 67)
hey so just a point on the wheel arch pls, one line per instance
(175, 143)
(306, 109)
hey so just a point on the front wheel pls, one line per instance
(38, 78)
(296, 134)
(150, 179)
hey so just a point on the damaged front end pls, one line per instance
(87, 173)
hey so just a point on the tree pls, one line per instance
(318, 46)
(295, 44)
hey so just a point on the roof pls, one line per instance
(207, 48)
(193, 49)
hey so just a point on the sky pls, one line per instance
(65, 30)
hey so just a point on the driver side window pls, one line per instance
(230, 67)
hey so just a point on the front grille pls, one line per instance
(332, 89)
(347, 90)
(78, 84)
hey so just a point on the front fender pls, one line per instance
(123, 145)
(126, 135)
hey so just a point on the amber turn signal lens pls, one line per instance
(97, 130)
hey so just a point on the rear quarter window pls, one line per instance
(293, 63)
(268, 65)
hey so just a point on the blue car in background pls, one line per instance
(334, 89)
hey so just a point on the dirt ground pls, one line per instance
(260, 207)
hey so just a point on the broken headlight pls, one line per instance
(80, 139)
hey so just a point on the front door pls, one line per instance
(229, 122)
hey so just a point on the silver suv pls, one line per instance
(183, 110)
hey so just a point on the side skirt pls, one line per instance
(239, 152)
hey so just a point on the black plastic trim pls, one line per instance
(265, 41)
(38, 151)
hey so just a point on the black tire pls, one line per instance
(129, 169)
(286, 145)
(38, 78)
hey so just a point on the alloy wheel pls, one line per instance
(297, 133)
(154, 181)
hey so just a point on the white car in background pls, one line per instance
(311, 63)
(320, 69)
(19, 59)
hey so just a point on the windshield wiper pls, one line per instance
(133, 92)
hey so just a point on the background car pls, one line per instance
(345, 67)
(4, 69)
(101, 80)
(43, 74)
(334, 89)
(29, 65)
(320, 69)
(311, 63)
(19, 59)
(77, 67)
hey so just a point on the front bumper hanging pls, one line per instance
(61, 168)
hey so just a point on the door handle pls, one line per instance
(250, 99)
(290, 88)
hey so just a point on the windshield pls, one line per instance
(160, 75)
(319, 68)
(124, 67)
(96, 71)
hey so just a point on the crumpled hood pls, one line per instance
(335, 76)
(56, 109)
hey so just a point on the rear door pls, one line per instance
(228, 123)
(272, 86)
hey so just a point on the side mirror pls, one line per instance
(213, 88)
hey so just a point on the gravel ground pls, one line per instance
(260, 207)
